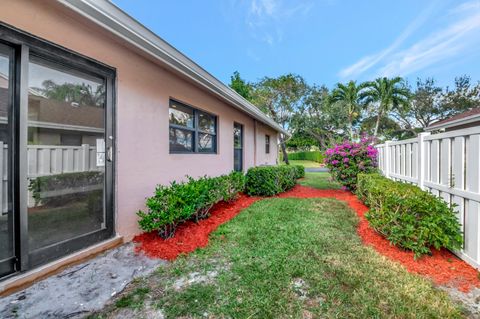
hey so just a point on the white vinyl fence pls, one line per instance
(48, 160)
(447, 165)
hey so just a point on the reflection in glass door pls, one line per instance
(7, 246)
(66, 156)
(237, 147)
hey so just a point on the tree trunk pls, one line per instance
(284, 149)
(350, 129)
(377, 124)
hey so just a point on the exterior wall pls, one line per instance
(261, 156)
(143, 92)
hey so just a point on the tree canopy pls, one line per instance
(387, 108)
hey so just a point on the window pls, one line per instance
(191, 130)
(267, 144)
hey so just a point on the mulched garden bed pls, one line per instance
(190, 235)
(443, 267)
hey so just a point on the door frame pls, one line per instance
(9, 265)
(25, 44)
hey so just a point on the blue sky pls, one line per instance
(325, 41)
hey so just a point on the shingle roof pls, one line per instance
(456, 118)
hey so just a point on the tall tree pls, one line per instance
(385, 94)
(83, 94)
(280, 98)
(325, 121)
(349, 96)
(463, 97)
(241, 86)
(425, 107)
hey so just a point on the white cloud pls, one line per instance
(266, 18)
(452, 40)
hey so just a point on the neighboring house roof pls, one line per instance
(112, 18)
(53, 114)
(463, 118)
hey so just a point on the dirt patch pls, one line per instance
(195, 278)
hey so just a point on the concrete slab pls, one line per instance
(80, 289)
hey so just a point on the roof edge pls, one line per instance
(464, 120)
(115, 20)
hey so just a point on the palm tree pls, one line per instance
(386, 94)
(350, 96)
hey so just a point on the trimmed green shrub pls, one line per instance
(193, 199)
(315, 156)
(39, 187)
(300, 171)
(271, 180)
(408, 216)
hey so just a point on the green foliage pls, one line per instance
(51, 183)
(315, 156)
(83, 94)
(178, 202)
(300, 171)
(272, 180)
(407, 216)
(301, 141)
(385, 95)
(349, 96)
(133, 300)
(241, 86)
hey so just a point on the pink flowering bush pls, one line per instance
(345, 161)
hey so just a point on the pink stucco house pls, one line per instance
(95, 110)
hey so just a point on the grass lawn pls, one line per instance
(306, 164)
(285, 258)
(321, 180)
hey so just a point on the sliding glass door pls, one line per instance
(56, 152)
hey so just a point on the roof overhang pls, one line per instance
(110, 17)
(453, 123)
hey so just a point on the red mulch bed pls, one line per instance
(190, 235)
(443, 267)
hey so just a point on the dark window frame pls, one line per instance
(267, 144)
(195, 130)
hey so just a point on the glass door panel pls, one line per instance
(237, 147)
(66, 154)
(7, 242)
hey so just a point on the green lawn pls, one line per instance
(306, 164)
(321, 180)
(285, 258)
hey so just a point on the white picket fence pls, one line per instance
(48, 160)
(448, 165)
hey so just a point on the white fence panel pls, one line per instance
(447, 165)
(48, 160)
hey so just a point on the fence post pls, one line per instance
(421, 160)
(85, 156)
(386, 170)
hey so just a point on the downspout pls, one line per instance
(254, 142)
